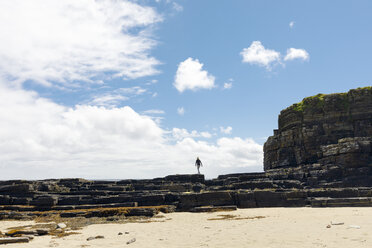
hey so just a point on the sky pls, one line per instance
(116, 89)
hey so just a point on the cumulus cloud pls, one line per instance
(294, 53)
(42, 139)
(257, 54)
(191, 76)
(181, 111)
(226, 130)
(69, 42)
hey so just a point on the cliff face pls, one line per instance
(331, 129)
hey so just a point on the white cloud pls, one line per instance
(177, 7)
(191, 76)
(153, 112)
(135, 90)
(108, 100)
(115, 97)
(291, 24)
(294, 53)
(66, 42)
(226, 130)
(256, 53)
(42, 139)
(153, 81)
(181, 111)
(227, 85)
(181, 133)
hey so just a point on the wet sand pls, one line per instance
(261, 227)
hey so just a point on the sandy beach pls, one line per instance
(261, 227)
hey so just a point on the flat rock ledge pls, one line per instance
(69, 198)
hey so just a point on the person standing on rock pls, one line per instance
(198, 163)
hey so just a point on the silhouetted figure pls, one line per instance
(198, 163)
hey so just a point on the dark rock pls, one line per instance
(186, 178)
(342, 202)
(240, 175)
(95, 237)
(71, 214)
(131, 241)
(214, 182)
(149, 212)
(171, 198)
(14, 240)
(108, 205)
(220, 198)
(334, 193)
(178, 187)
(42, 232)
(5, 200)
(198, 187)
(20, 189)
(278, 199)
(44, 201)
(151, 200)
(69, 200)
(254, 184)
(245, 200)
(21, 201)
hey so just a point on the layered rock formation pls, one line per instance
(84, 198)
(325, 138)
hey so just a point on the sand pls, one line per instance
(262, 227)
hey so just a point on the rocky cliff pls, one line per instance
(335, 128)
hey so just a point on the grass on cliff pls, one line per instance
(318, 101)
(365, 88)
(301, 106)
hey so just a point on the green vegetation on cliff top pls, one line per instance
(317, 101)
(305, 103)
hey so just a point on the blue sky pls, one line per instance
(138, 89)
